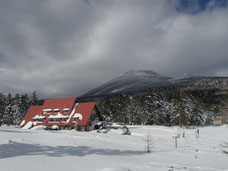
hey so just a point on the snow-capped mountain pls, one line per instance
(136, 81)
(131, 81)
(146, 97)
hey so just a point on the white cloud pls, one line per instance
(65, 48)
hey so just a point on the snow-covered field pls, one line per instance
(26, 150)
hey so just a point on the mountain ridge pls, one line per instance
(138, 81)
(146, 97)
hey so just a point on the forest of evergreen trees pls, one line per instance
(14, 107)
(160, 107)
(163, 107)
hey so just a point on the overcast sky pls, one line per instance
(63, 48)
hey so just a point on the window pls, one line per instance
(64, 119)
(93, 116)
(65, 110)
(51, 120)
(47, 111)
(54, 120)
(75, 120)
(56, 111)
(94, 112)
(40, 120)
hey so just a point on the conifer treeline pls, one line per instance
(163, 107)
(14, 107)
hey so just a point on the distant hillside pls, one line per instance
(132, 81)
(146, 97)
(139, 81)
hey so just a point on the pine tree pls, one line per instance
(198, 112)
(2, 107)
(8, 112)
(179, 109)
(24, 104)
(175, 111)
(13, 109)
(141, 113)
(34, 98)
(16, 109)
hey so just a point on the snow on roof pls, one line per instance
(34, 123)
(35, 117)
(85, 109)
(28, 125)
(66, 109)
(58, 103)
(22, 123)
(72, 112)
(56, 109)
(59, 115)
(47, 110)
(38, 117)
(78, 115)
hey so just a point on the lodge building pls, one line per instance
(63, 113)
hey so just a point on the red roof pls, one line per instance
(32, 112)
(85, 109)
(60, 103)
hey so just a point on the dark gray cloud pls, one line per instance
(65, 48)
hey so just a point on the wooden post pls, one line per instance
(175, 137)
(176, 142)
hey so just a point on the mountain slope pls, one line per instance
(145, 97)
(133, 82)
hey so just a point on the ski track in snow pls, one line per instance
(28, 150)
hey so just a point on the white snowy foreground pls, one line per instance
(35, 150)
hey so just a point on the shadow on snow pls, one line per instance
(13, 131)
(18, 149)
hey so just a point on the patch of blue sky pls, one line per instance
(197, 6)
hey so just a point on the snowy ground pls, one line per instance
(26, 150)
